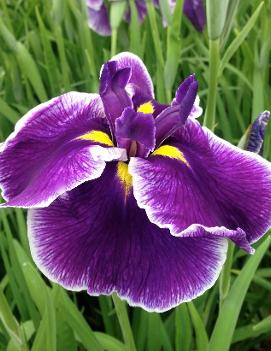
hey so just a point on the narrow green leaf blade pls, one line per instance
(229, 312)
(200, 332)
(235, 44)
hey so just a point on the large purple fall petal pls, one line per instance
(44, 156)
(96, 238)
(199, 180)
(98, 19)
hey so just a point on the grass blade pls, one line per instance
(77, 322)
(127, 333)
(235, 44)
(229, 312)
(200, 332)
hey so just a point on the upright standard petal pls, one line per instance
(140, 85)
(115, 98)
(98, 19)
(96, 238)
(200, 185)
(54, 148)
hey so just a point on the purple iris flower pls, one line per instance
(257, 132)
(130, 196)
(99, 19)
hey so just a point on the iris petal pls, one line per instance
(112, 91)
(98, 18)
(257, 132)
(140, 85)
(136, 127)
(45, 156)
(174, 116)
(194, 10)
(96, 238)
(95, 4)
(225, 191)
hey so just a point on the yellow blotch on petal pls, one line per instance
(124, 177)
(146, 108)
(172, 152)
(97, 136)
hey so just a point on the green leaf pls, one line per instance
(65, 70)
(65, 336)
(200, 332)
(244, 333)
(135, 30)
(27, 64)
(29, 329)
(157, 338)
(106, 307)
(49, 57)
(121, 311)
(225, 277)
(45, 337)
(252, 331)
(36, 286)
(9, 321)
(165, 10)
(216, 17)
(263, 326)
(231, 13)
(117, 10)
(41, 295)
(140, 328)
(235, 44)
(8, 112)
(230, 309)
(183, 338)
(173, 48)
(76, 321)
(158, 51)
(110, 343)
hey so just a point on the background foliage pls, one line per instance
(46, 48)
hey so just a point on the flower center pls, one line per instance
(135, 130)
